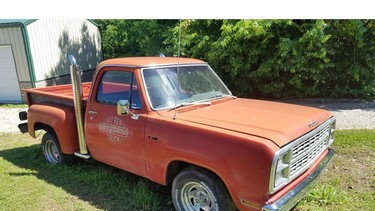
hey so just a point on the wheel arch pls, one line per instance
(43, 126)
(176, 166)
(58, 119)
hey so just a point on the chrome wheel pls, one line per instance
(197, 189)
(195, 196)
(51, 152)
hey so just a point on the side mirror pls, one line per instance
(123, 109)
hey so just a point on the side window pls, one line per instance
(118, 85)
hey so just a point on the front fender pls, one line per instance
(61, 119)
(241, 161)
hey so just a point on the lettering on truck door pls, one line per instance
(113, 139)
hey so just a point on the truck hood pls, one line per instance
(278, 122)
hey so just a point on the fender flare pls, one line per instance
(61, 119)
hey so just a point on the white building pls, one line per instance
(34, 53)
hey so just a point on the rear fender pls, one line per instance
(61, 119)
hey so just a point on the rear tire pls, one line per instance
(52, 151)
(196, 189)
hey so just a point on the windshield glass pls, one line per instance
(168, 87)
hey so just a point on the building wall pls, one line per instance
(51, 41)
(86, 77)
(13, 36)
(25, 85)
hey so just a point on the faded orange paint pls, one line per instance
(234, 138)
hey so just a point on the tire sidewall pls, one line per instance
(53, 139)
(207, 180)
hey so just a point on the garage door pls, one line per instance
(9, 86)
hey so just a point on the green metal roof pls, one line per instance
(15, 22)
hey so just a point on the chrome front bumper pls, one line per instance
(290, 199)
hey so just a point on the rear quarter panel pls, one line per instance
(60, 118)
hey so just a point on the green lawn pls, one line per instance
(27, 182)
(13, 105)
(349, 182)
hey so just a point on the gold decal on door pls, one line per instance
(114, 129)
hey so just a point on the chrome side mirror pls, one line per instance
(123, 109)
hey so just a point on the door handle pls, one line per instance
(91, 113)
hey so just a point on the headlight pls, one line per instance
(282, 170)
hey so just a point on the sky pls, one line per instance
(189, 9)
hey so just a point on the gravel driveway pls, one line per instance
(9, 119)
(350, 114)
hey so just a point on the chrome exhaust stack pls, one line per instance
(75, 73)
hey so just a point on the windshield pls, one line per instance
(168, 87)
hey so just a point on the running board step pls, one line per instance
(84, 156)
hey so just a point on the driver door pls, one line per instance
(113, 139)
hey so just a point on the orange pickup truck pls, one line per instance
(173, 121)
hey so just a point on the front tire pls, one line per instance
(196, 189)
(52, 151)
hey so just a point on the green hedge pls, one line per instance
(261, 58)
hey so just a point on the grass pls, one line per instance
(13, 105)
(27, 182)
(349, 182)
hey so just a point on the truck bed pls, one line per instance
(62, 94)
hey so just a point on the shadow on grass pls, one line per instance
(101, 185)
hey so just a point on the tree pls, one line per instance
(261, 58)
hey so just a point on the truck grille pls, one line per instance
(295, 158)
(306, 152)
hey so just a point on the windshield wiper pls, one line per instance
(188, 104)
(222, 96)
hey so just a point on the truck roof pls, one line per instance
(149, 61)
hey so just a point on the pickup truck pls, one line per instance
(173, 121)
